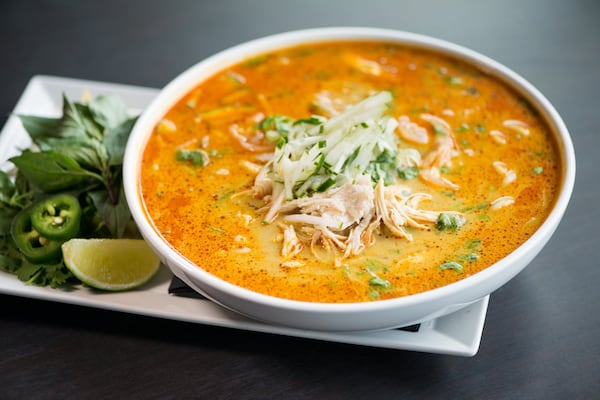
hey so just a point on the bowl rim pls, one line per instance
(192, 76)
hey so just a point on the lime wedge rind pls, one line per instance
(111, 264)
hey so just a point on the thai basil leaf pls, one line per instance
(7, 188)
(114, 216)
(6, 217)
(9, 203)
(88, 153)
(40, 128)
(92, 129)
(115, 140)
(51, 171)
(72, 124)
(108, 111)
(78, 121)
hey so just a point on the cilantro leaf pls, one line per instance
(470, 257)
(55, 275)
(309, 120)
(10, 256)
(379, 282)
(408, 173)
(196, 157)
(383, 167)
(449, 222)
(452, 265)
(278, 123)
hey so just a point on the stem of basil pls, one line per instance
(109, 188)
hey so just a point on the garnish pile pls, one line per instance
(337, 181)
(68, 186)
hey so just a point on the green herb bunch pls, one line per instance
(80, 154)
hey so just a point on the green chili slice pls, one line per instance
(57, 217)
(36, 248)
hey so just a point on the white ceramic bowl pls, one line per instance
(354, 316)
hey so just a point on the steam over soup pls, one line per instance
(349, 172)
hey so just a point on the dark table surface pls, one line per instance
(542, 334)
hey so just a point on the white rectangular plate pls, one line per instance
(458, 333)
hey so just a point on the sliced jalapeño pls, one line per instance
(36, 248)
(57, 217)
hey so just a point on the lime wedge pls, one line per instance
(110, 264)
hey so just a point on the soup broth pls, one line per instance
(495, 184)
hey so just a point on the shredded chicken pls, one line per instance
(255, 143)
(412, 132)
(509, 175)
(361, 235)
(337, 209)
(291, 244)
(502, 202)
(250, 167)
(439, 124)
(444, 149)
(291, 264)
(346, 217)
(397, 209)
(245, 219)
(498, 136)
(336, 97)
(325, 103)
(363, 65)
(445, 146)
(408, 158)
(517, 126)
(433, 176)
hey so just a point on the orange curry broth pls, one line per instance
(204, 213)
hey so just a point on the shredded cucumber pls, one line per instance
(316, 154)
